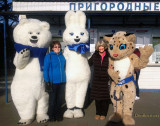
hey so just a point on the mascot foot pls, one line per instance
(42, 118)
(115, 117)
(25, 121)
(128, 120)
(78, 113)
(68, 113)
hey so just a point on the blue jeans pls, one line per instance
(137, 85)
(56, 100)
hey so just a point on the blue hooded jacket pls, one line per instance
(55, 73)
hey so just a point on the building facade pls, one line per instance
(141, 17)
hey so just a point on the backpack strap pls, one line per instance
(51, 81)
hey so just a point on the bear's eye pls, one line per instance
(122, 46)
(71, 33)
(82, 33)
(38, 33)
(111, 47)
(29, 32)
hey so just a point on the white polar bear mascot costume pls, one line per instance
(77, 68)
(32, 38)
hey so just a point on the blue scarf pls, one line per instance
(34, 52)
(81, 48)
(127, 80)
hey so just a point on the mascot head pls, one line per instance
(32, 32)
(75, 32)
(121, 44)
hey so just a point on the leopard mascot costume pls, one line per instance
(122, 64)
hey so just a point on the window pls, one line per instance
(156, 46)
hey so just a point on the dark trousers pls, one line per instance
(102, 107)
(56, 99)
(137, 85)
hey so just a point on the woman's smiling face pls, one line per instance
(101, 49)
(56, 48)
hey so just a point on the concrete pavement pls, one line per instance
(146, 113)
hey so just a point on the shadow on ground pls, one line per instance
(114, 124)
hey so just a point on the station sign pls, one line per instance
(86, 6)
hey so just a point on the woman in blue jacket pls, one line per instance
(54, 72)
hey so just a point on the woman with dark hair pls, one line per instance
(100, 87)
(54, 74)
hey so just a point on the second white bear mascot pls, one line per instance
(77, 68)
(32, 38)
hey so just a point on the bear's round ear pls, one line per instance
(81, 19)
(22, 19)
(70, 18)
(45, 25)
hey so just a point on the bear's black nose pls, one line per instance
(77, 36)
(34, 37)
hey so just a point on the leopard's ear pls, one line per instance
(130, 37)
(107, 38)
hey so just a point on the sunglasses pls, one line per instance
(56, 47)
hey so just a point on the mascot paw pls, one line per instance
(146, 51)
(23, 58)
(25, 121)
(115, 75)
(78, 113)
(148, 48)
(128, 120)
(68, 113)
(42, 118)
(115, 118)
(24, 54)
